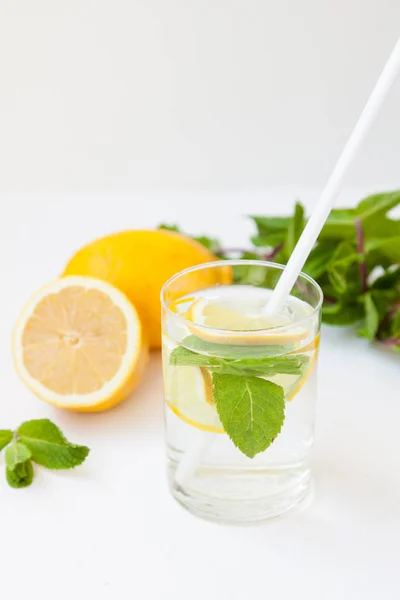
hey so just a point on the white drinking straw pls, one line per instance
(192, 458)
(335, 181)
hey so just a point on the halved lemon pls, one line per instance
(78, 344)
(188, 393)
(238, 328)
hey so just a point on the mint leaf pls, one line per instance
(174, 228)
(387, 280)
(344, 274)
(187, 358)
(396, 325)
(343, 269)
(49, 447)
(21, 476)
(6, 436)
(386, 247)
(229, 351)
(242, 367)
(319, 259)
(267, 225)
(210, 243)
(384, 301)
(271, 231)
(16, 453)
(371, 323)
(295, 229)
(339, 225)
(251, 410)
(377, 204)
(342, 314)
(284, 365)
(268, 241)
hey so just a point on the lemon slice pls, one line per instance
(188, 393)
(241, 329)
(79, 344)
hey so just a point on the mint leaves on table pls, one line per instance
(16, 454)
(21, 476)
(38, 441)
(6, 436)
(355, 260)
(49, 447)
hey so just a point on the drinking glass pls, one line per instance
(240, 390)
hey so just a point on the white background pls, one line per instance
(126, 113)
(111, 530)
(135, 95)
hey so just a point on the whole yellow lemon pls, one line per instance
(139, 263)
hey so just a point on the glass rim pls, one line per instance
(235, 263)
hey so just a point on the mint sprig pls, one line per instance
(49, 447)
(6, 436)
(16, 454)
(21, 476)
(241, 367)
(251, 410)
(39, 441)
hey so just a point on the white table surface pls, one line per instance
(111, 530)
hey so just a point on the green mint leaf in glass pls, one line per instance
(16, 453)
(49, 447)
(229, 351)
(279, 365)
(21, 476)
(251, 410)
(183, 357)
(6, 436)
(267, 367)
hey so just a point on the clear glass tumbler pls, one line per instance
(240, 390)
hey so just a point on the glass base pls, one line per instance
(241, 497)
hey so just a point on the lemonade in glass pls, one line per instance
(240, 390)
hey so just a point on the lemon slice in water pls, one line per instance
(188, 393)
(239, 328)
